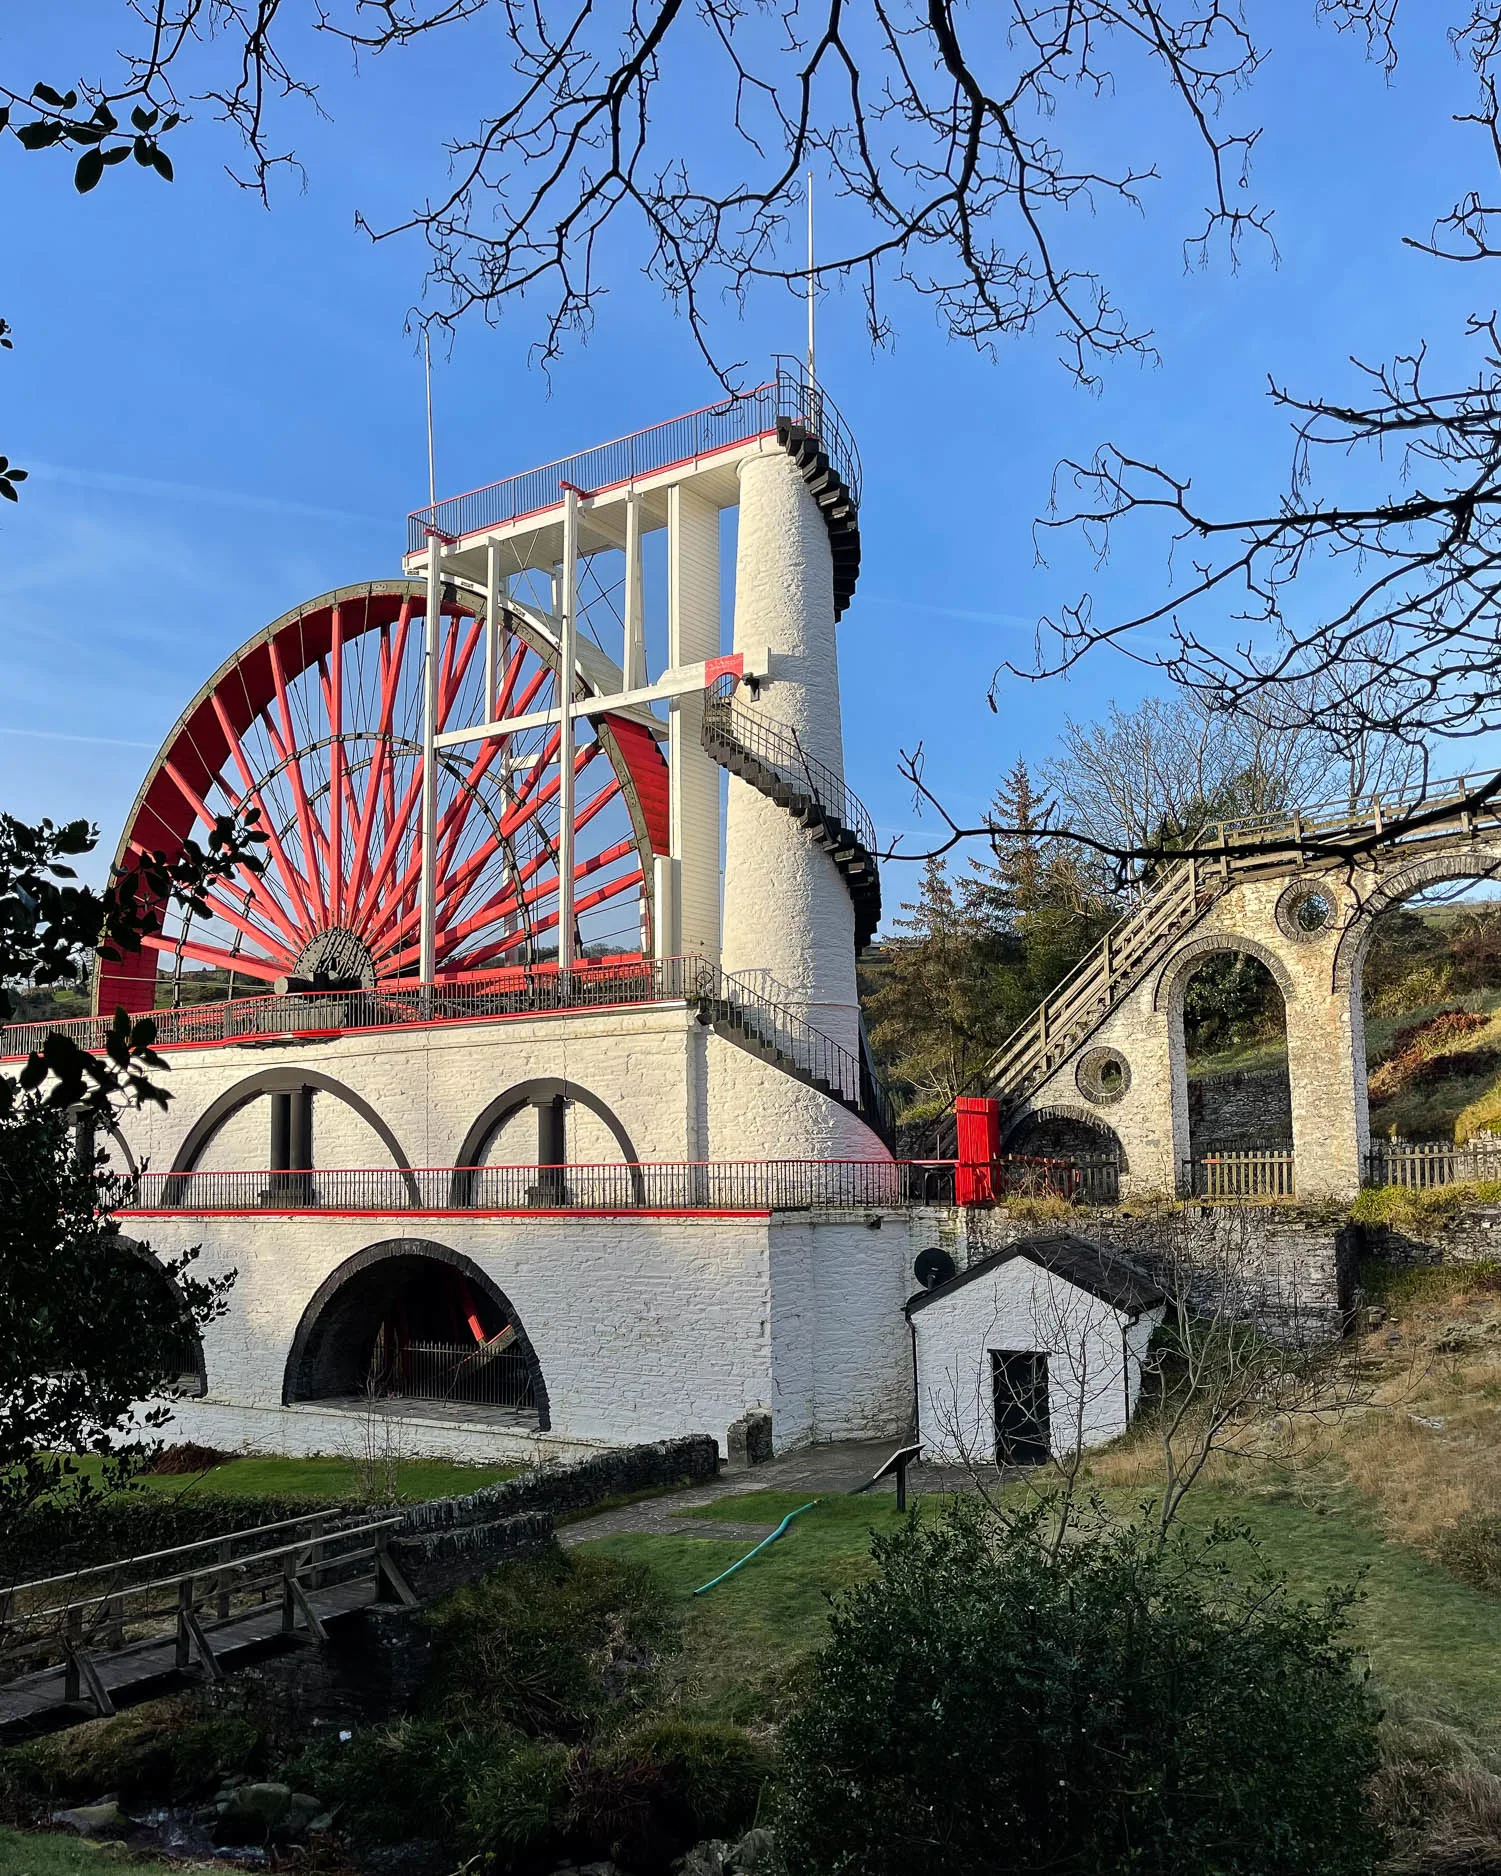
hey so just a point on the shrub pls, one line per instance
(986, 1704)
(1470, 1549)
(163, 1750)
(393, 1783)
(649, 1795)
(516, 1806)
(547, 1644)
(51, 1538)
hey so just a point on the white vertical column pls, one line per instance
(494, 605)
(432, 647)
(693, 635)
(633, 663)
(787, 910)
(566, 589)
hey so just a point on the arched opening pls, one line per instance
(1089, 1144)
(1235, 1055)
(410, 1326)
(1425, 975)
(547, 1142)
(185, 1372)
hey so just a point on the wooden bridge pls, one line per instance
(83, 1644)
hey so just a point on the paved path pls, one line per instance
(820, 1471)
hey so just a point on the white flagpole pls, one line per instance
(427, 964)
(812, 285)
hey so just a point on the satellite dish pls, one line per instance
(933, 1266)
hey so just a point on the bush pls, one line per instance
(51, 1538)
(393, 1783)
(648, 1796)
(164, 1750)
(516, 1806)
(1470, 1549)
(546, 1645)
(984, 1704)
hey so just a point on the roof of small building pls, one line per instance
(1088, 1266)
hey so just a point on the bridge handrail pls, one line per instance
(1372, 809)
(158, 1556)
(217, 1570)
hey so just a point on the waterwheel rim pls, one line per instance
(316, 723)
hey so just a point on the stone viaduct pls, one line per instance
(1103, 1061)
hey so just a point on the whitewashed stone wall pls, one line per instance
(644, 1328)
(1094, 1359)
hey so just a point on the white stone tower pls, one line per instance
(787, 911)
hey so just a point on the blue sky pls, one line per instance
(222, 413)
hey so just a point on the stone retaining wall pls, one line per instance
(1468, 1236)
(1292, 1272)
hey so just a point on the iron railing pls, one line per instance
(778, 748)
(1371, 813)
(788, 397)
(662, 1186)
(1424, 1163)
(522, 990)
(476, 1373)
(1221, 1177)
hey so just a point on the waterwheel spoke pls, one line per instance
(252, 794)
(377, 780)
(293, 761)
(250, 880)
(263, 971)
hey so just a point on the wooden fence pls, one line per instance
(1223, 1177)
(1423, 1163)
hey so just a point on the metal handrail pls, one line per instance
(778, 747)
(787, 397)
(750, 1186)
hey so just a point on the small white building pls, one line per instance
(1037, 1349)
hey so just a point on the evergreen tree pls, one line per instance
(922, 1008)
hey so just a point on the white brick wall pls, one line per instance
(644, 1328)
(1094, 1357)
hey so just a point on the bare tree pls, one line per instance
(959, 173)
(1393, 504)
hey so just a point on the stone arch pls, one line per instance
(350, 1299)
(1173, 978)
(192, 1383)
(1064, 1114)
(1471, 862)
(530, 1094)
(270, 1081)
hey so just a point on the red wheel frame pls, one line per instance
(316, 722)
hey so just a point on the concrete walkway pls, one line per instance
(819, 1471)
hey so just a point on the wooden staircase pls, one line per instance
(1057, 1027)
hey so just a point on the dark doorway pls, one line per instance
(1021, 1406)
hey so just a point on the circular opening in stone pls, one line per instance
(1306, 911)
(1103, 1076)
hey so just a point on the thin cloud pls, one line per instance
(63, 736)
(1014, 620)
(112, 483)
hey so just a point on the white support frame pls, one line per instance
(432, 640)
(566, 589)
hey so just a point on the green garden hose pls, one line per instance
(759, 1548)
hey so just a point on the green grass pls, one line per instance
(1250, 1057)
(52, 1853)
(1430, 1640)
(742, 1638)
(323, 1478)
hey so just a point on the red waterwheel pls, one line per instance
(316, 722)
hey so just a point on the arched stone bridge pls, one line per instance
(1104, 1058)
